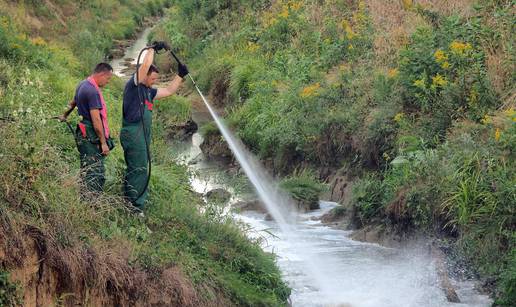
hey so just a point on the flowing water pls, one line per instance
(322, 265)
(130, 57)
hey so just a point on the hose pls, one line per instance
(142, 103)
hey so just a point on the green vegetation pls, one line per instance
(40, 170)
(418, 101)
(9, 291)
(303, 186)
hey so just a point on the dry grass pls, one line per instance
(499, 72)
(394, 24)
(500, 57)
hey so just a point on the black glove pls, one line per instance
(182, 70)
(160, 45)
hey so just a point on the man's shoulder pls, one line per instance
(86, 86)
(131, 82)
(87, 91)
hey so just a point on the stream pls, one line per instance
(354, 273)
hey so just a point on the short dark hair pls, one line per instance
(153, 68)
(102, 67)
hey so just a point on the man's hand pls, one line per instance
(182, 70)
(104, 149)
(160, 45)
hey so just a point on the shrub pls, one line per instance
(444, 75)
(303, 185)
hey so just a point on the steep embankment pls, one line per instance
(58, 249)
(407, 108)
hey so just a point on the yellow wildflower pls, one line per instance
(392, 73)
(284, 13)
(38, 41)
(347, 28)
(438, 81)
(269, 20)
(252, 47)
(350, 47)
(440, 56)
(310, 90)
(473, 97)
(386, 156)
(295, 5)
(419, 83)
(327, 41)
(486, 120)
(5, 22)
(21, 36)
(344, 67)
(498, 133)
(398, 117)
(361, 5)
(510, 112)
(460, 48)
(445, 65)
(407, 4)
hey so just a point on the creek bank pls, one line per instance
(49, 274)
(215, 148)
(181, 131)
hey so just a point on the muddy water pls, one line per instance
(358, 274)
(121, 65)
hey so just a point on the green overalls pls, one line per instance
(92, 161)
(132, 138)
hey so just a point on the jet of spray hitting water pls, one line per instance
(278, 203)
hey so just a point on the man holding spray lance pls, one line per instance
(135, 136)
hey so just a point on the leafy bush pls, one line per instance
(368, 198)
(303, 185)
(443, 72)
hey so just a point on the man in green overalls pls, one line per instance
(92, 132)
(135, 135)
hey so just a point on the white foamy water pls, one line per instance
(356, 274)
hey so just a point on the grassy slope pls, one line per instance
(416, 99)
(41, 62)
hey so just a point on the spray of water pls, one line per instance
(280, 206)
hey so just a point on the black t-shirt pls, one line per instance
(131, 107)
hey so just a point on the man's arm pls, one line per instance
(144, 67)
(171, 89)
(99, 130)
(65, 115)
